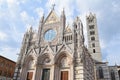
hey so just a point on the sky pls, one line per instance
(16, 16)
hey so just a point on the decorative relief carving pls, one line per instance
(46, 60)
(65, 62)
(31, 64)
(47, 49)
(52, 18)
(64, 48)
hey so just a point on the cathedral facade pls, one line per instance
(57, 52)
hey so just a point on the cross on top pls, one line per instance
(53, 5)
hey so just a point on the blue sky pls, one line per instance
(16, 16)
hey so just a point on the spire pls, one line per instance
(42, 18)
(91, 16)
(115, 64)
(78, 19)
(30, 29)
(63, 12)
(53, 5)
(63, 24)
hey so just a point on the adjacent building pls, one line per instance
(7, 68)
(57, 52)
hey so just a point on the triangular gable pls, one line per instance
(52, 18)
(65, 47)
(47, 49)
(32, 52)
(31, 48)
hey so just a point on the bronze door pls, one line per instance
(64, 75)
(29, 75)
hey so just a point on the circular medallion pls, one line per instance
(50, 35)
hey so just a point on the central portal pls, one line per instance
(64, 75)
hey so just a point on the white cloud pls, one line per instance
(1, 1)
(9, 52)
(23, 1)
(39, 11)
(3, 36)
(103, 44)
(24, 15)
(86, 5)
(16, 35)
(49, 3)
(27, 19)
(115, 40)
(112, 50)
(115, 6)
(9, 10)
(11, 1)
(113, 59)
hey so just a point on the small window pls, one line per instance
(65, 39)
(93, 44)
(76, 26)
(3, 63)
(71, 37)
(92, 32)
(101, 73)
(76, 40)
(92, 38)
(91, 27)
(94, 51)
(76, 35)
(91, 19)
(119, 73)
(112, 75)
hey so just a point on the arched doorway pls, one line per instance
(28, 68)
(63, 67)
(31, 65)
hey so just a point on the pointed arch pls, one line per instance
(58, 57)
(63, 64)
(28, 60)
(28, 67)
